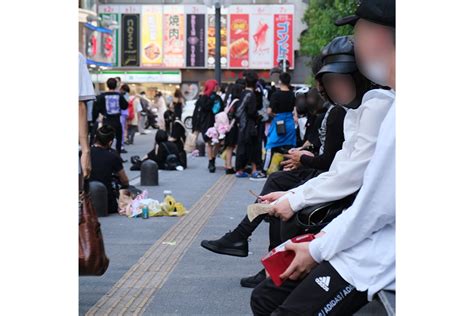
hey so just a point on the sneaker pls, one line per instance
(124, 151)
(241, 174)
(254, 280)
(258, 176)
(225, 246)
(230, 171)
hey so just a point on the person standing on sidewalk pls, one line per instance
(246, 115)
(230, 142)
(207, 106)
(282, 132)
(125, 91)
(134, 110)
(145, 106)
(160, 106)
(109, 104)
(178, 103)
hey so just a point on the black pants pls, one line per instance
(277, 181)
(246, 153)
(322, 292)
(132, 129)
(115, 123)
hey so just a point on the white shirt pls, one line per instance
(344, 177)
(86, 89)
(360, 243)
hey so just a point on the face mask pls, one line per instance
(376, 71)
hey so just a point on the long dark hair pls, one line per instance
(178, 94)
(233, 92)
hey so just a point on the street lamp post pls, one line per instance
(217, 4)
(217, 21)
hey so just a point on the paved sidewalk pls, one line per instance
(200, 275)
(192, 280)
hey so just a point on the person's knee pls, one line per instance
(258, 300)
(255, 302)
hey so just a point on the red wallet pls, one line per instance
(278, 260)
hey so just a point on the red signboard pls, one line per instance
(283, 37)
(239, 40)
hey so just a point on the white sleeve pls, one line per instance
(345, 175)
(86, 89)
(374, 206)
(137, 104)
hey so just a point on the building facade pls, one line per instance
(169, 44)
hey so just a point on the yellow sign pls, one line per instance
(152, 39)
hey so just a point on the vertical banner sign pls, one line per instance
(261, 40)
(152, 36)
(211, 40)
(195, 40)
(173, 42)
(283, 38)
(130, 30)
(239, 41)
(112, 40)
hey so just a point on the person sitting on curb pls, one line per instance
(106, 164)
(164, 153)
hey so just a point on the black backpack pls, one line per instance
(171, 161)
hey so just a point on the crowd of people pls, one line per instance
(347, 158)
(116, 116)
(250, 119)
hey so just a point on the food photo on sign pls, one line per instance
(152, 36)
(239, 39)
(211, 40)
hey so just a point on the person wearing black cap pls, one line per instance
(353, 257)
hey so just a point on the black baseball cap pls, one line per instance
(376, 11)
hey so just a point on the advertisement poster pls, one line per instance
(195, 40)
(211, 40)
(112, 19)
(239, 41)
(151, 51)
(173, 40)
(130, 45)
(261, 41)
(283, 34)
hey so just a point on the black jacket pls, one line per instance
(203, 117)
(333, 142)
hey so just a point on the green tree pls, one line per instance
(320, 17)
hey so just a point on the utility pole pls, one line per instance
(217, 21)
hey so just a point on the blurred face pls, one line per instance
(339, 87)
(374, 48)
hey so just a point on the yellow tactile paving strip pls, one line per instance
(133, 292)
